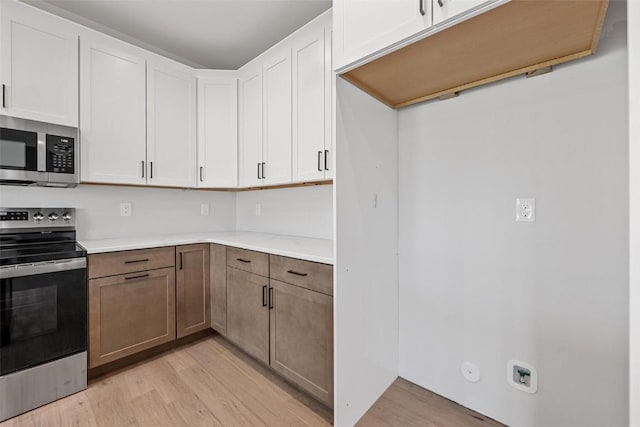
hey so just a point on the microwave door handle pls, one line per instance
(42, 152)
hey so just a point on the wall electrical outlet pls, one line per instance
(525, 210)
(258, 209)
(204, 209)
(125, 209)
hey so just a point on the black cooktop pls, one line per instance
(37, 246)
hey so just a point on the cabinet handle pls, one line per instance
(246, 261)
(296, 273)
(201, 174)
(259, 177)
(143, 168)
(151, 173)
(319, 160)
(326, 159)
(137, 277)
(133, 261)
(423, 12)
(4, 98)
(263, 163)
(270, 298)
(264, 296)
(441, 3)
(180, 260)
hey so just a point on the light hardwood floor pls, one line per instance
(211, 383)
(408, 405)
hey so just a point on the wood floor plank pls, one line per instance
(150, 410)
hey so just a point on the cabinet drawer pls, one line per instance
(114, 263)
(310, 275)
(251, 261)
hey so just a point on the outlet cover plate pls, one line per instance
(125, 209)
(526, 210)
(533, 382)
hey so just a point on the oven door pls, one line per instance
(43, 313)
(22, 156)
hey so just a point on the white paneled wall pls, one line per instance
(366, 269)
(154, 210)
(634, 180)
(477, 286)
(302, 211)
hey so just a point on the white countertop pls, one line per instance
(316, 250)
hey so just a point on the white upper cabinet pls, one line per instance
(364, 27)
(112, 112)
(171, 124)
(38, 65)
(285, 110)
(218, 130)
(250, 121)
(447, 9)
(311, 104)
(277, 117)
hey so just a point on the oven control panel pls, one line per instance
(60, 154)
(36, 217)
(14, 216)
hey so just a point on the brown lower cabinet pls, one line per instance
(219, 288)
(129, 313)
(248, 312)
(193, 301)
(140, 299)
(301, 338)
(288, 326)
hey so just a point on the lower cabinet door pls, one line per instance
(193, 300)
(248, 312)
(219, 288)
(301, 323)
(130, 313)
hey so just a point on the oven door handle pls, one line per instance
(44, 267)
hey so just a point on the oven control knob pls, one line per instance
(38, 216)
(53, 216)
(66, 216)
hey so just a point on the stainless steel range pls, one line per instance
(43, 309)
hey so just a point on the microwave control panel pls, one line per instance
(60, 154)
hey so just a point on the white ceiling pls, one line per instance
(217, 34)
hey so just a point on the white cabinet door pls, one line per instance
(329, 89)
(112, 112)
(447, 9)
(171, 125)
(277, 118)
(309, 106)
(39, 65)
(250, 117)
(364, 27)
(218, 132)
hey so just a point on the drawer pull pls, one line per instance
(246, 261)
(137, 260)
(296, 273)
(137, 277)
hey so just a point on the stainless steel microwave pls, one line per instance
(38, 154)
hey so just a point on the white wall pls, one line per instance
(154, 210)
(477, 286)
(634, 180)
(302, 211)
(366, 269)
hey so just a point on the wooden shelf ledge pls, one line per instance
(512, 39)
